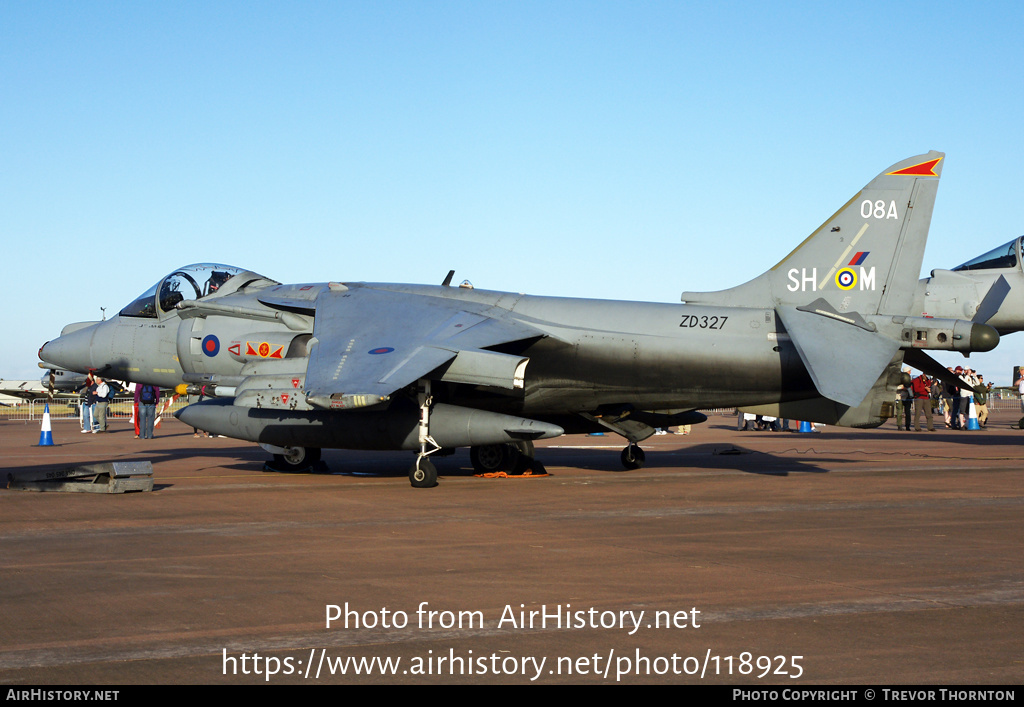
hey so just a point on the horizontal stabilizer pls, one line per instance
(929, 366)
(843, 359)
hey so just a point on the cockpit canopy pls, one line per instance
(191, 282)
(1005, 256)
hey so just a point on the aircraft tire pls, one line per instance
(297, 458)
(423, 474)
(492, 458)
(525, 448)
(633, 457)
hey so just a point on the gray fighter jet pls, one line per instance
(55, 383)
(821, 336)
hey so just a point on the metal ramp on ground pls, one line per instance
(105, 477)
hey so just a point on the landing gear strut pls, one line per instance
(423, 474)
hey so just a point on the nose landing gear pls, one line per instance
(423, 474)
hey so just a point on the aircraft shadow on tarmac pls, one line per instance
(705, 457)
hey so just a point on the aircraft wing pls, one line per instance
(369, 343)
(23, 393)
(30, 390)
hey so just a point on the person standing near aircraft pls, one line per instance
(146, 398)
(135, 410)
(1020, 386)
(100, 410)
(966, 396)
(951, 394)
(936, 396)
(921, 388)
(981, 400)
(906, 402)
(87, 402)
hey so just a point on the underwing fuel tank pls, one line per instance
(394, 428)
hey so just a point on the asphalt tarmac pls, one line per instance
(850, 557)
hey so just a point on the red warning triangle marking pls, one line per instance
(925, 169)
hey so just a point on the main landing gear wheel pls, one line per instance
(297, 458)
(423, 474)
(633, 457)
(492, 458)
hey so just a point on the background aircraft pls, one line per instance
(56, 382)
(23, 389)
(821, 336)
(987, 288)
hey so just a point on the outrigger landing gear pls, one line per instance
(633, 457)
(423, 474)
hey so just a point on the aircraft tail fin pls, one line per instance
(865, 258)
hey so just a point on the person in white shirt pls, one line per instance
(102, 394)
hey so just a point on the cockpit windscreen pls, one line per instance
(1005, 256)
(189, 283)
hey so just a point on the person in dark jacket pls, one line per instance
(88, 403)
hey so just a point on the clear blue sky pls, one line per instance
(627, 150)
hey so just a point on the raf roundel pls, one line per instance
(211, 345)
(381, 350)
(846, 279)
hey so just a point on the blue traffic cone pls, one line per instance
(972, 418)
(45, 434)
(806, 426)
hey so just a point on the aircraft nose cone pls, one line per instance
(71, 351)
